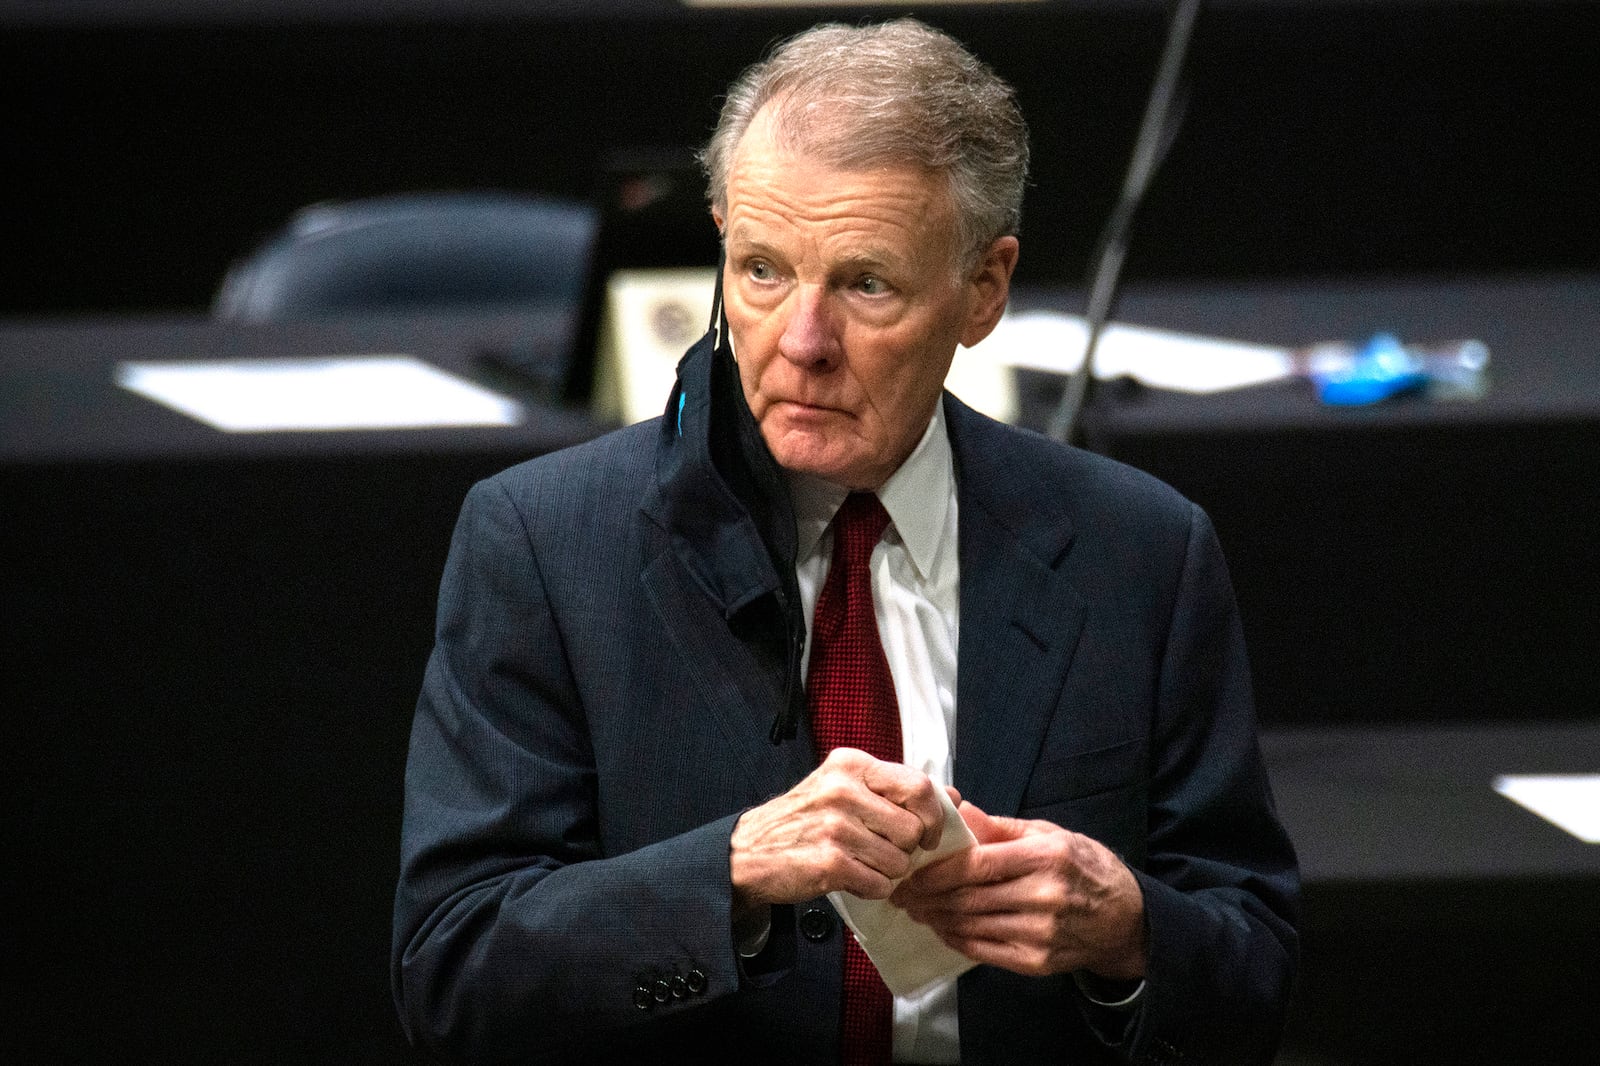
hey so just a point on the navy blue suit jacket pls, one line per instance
(596, 716)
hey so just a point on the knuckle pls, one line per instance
(832, 823)
(1050, 896)
(834, 868)
(905, 829)
(833, 788)
(877, 887)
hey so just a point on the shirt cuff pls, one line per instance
(1113, 995)
(750, 936)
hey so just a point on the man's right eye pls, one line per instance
(761, 270)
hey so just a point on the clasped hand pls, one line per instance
(1031, 897)
(851, 825)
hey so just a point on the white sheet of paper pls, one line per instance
(1051, 341)
(338, 392)
(908, 954)
(1569, 801)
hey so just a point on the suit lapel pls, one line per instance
(1020, 616)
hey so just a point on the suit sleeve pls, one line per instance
(515, 936)
(1220, 880)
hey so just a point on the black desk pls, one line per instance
(1416, 804)
(1411, 560)
(59, 404)
(1443, 923)
(212, 646)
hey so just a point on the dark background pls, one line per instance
(1322, 138)
(208, 660)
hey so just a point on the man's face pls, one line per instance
(846, 306)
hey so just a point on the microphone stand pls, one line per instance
(1163, 114)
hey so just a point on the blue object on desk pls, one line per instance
(1380, 369)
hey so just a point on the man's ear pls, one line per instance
(716, 216)
(989, 286)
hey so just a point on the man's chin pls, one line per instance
(813, 467)
(806, 458)
(820, 454)
(856, 475)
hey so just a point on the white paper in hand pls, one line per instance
(908, 954)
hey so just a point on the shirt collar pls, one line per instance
(917, 497)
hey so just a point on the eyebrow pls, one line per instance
(736, 236)
(871, 258)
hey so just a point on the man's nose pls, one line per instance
(809, 338)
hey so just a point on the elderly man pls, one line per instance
(697, 675)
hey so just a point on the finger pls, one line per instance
(859, 878)
(912, 790)
(985, 864)
(844, 790)
(846, 856)
(990, 828)
(1014, 858)
(890, 821)
(842, 758)
(967, 867)
(841, 785)
(1008, 926)
(812, 840)
(1031, 960)
(971, 902)
(869, 830)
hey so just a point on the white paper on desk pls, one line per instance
(322, 393)
(1569, 801)
(909, 955)
(1187, 362)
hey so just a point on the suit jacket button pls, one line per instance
(816, 924)
(696, 981)
(660, 991)
(680, 987)
(641, 998)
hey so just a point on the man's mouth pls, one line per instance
(807, 406)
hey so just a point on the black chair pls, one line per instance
(416, 251)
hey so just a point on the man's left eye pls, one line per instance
(873, 286)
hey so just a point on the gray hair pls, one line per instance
(898, 92)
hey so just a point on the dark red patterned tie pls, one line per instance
(850, 695)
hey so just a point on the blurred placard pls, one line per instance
(1569, 801)
(339, 392)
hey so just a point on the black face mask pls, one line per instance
(734, 494)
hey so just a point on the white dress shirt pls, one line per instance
(916, 587)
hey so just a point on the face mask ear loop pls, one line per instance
(719, 313)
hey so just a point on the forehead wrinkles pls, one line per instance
(841, 229)
(884, 214)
